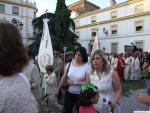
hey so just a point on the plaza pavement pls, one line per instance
(130, 104)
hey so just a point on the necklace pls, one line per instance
(100, 75)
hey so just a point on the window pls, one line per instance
(93, 19)
(114, 47)
(139, 26)
(114, 14)
(139, 44)
(15, 10)
(77, 23)
(139, 8)
(94, 32)
(2, 8)
(77, 33)
(114, 29)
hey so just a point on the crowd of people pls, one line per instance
(129, 66)
(91, 85)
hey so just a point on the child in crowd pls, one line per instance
(88, 96)
(50, 87)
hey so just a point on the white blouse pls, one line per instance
(105, 87)
(77, 73)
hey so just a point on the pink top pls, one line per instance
(88, 109)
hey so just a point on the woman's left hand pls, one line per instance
(113, 104)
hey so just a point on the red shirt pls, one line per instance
(88, 109)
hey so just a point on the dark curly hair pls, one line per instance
(13, 55)
(83, 53)
(49, 68)
(86, 96)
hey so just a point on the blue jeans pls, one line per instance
(148, 86)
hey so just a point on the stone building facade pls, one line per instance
(20, 13)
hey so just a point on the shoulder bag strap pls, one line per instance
(68, 68)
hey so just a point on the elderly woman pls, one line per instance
(107, 82)
(77, 75)
(31, 71)
(15, 92)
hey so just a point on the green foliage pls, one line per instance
(34, 47)
(59, 27)
(38, 22)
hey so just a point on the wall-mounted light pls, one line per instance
(105, 31)
(14, 21)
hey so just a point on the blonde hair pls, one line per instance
(106, 66)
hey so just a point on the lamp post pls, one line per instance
(65, 48)
(98, 37)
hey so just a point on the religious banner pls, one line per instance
(95, 44)
(45, 55)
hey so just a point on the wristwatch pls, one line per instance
(75, 82)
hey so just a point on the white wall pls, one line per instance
(126, 28)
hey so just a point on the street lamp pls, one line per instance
(21, 25)
(17, 23)
(64, 48)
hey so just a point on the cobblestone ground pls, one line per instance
(128, 104)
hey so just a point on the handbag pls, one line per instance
(65, 84)
(146, 74)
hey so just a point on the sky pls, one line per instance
(42, 5)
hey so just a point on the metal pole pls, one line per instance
(98, 37)
(46, 12)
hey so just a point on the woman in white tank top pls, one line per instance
(77, 76)
(107, 82)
